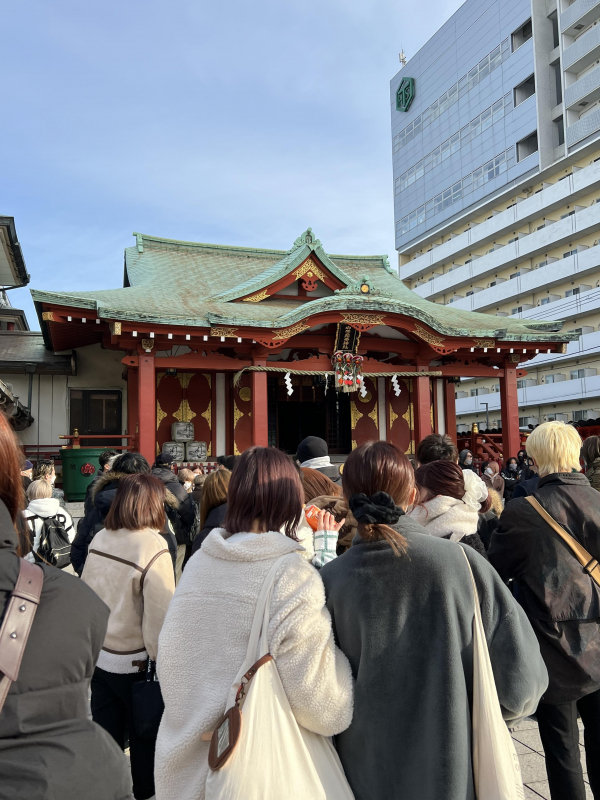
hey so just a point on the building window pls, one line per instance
(524, 90)
(488, 64)
(527, 146)
(460, 189)
(481, 123)
(97, 413)
(522, 35)
(582, 373)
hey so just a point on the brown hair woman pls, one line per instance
(130, 568)
(316, 484)
(206, 632)
(402, 606)
(213, 504)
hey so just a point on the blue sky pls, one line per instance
(228, 122)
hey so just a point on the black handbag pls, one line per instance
(148, 705)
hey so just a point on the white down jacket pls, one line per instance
(446, 517)
(204, 640)
(46, 507)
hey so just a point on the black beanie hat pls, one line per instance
(311, 447)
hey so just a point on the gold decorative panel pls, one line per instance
(160, 415)
(484, 342)
(147, 344)
(366, 399)
(393, 416)
(310, 269)
(237, 414)
(245, 393)
(355, 414)
(373, 415)
(256, 298)
(48, 316)
(363, 319)
(285, 333)
(184, 413)
(185, 378)
(428, 337)
(227, 332)
(207, 414)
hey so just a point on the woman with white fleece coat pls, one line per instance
(205, 634)
(442, 509)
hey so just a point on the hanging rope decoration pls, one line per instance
(288, 384)
(430, 374)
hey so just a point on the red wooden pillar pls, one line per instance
(147, 407)
(132, 406)
(260, 405)
(450, 408)
(422, 405)
(509, 406)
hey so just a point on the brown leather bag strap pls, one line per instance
(587, 561)
(16, 626)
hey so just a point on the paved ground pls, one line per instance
(531, 756)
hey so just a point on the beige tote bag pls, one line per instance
(275, 758)
(496, 769)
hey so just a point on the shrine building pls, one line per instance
(207, 334)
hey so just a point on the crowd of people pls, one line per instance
(369, 621)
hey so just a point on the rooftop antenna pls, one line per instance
(402, 57)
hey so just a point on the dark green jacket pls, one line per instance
(405, 624)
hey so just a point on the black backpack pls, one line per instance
(182, 534)
(54, 547)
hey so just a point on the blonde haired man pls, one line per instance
(561, 600)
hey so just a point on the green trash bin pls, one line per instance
(79, 468)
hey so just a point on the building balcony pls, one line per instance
(528, 247)
(534, 281)
(585, 90)
(553, 196)
(588, 344)
(584, 127)
(566, 307)
(583, 52)
(542, 394)
(582, 12)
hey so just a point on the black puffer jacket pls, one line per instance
(215, 519)
(49, 748)
(560, 599)
(103, 494)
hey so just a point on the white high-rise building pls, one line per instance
(496, 148)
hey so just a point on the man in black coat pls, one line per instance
(48, 745)
(313, 453)
(561, 600)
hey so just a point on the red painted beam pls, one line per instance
(509, 406)
(260, 419)
(147, 407)
(450, 408)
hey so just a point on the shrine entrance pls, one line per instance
(309, 411)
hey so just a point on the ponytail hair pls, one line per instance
(378, 481)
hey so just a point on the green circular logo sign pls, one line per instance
(405, 94)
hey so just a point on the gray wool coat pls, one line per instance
(405, 624)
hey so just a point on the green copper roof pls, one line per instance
(193, 284)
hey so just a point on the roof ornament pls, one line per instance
(307, 237)
(364, 288)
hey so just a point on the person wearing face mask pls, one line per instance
(510, 473)
(465, 460)
(492, 478)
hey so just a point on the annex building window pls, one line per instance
(522, 35)
(97, 413)
(527, 146)
(524, 90)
